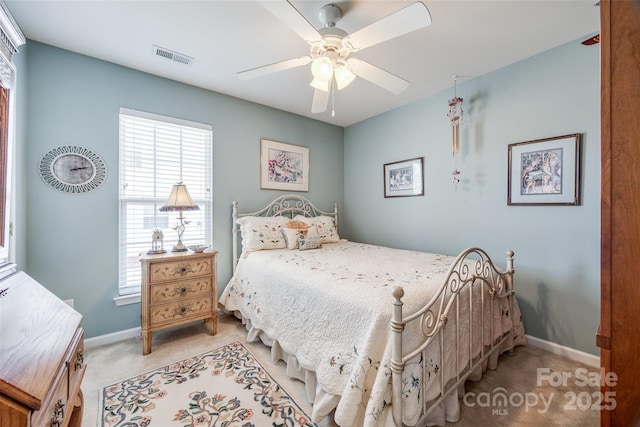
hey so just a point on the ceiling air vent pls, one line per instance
(171, 55)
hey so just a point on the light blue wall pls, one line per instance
(557, 248)
(71, 241)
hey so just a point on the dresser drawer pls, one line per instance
(55, 408)
(75, 363)
(178, 270)
(180, 311)
(171, 292)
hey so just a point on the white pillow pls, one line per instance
(325, 226)
(262, 232)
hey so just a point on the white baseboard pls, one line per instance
(111, 338)
(570, 353)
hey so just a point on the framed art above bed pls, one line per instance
(283, 166)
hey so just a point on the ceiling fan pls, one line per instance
(331, 46)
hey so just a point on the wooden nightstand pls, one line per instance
(177, 288)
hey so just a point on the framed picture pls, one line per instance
(283, 166)
(404, 179)
(545, 171)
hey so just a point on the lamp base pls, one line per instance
(179, 247)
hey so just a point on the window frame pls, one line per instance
(138, 207)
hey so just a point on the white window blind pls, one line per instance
(155, 153)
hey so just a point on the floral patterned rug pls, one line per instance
(223, 387)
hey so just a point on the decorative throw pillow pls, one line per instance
(297, 225)
(326, 228)
(291, 237)
(260, 233)
(309, 240)
(292, 231)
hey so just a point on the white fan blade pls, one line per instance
(320, 101)
(411, 18)
(272, 68)
(290, 16)
(378, 76)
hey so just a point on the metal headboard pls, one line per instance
(288, 205)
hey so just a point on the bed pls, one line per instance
(365, 326)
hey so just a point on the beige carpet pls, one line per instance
(517, 374)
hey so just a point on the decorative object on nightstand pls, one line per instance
(178, 288)
(179, 200)
(198, 248)
(157, 245)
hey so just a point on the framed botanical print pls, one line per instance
(283, 166)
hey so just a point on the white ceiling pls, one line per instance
(466, 38)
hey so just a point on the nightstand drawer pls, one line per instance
(170, 292)
(180, 311)
(178, 270)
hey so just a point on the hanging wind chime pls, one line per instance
(455, 115)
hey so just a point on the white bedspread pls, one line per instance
(331, 309)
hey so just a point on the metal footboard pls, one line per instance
(471, 269)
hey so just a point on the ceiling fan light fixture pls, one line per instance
(322, 68)
(322, 85)
(344, 76)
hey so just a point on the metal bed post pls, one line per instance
(234, 228)
(397, 365)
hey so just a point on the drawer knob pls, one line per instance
(58, 415)
(183, 291)
(79, 361)
(183, 310)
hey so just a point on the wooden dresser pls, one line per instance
(41, 356)
(178, 288)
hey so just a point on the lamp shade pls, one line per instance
(322, 68)
(179, 200)
(343, 75)
(322, 85)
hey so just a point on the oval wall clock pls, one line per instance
(72, 169)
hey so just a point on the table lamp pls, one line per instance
(179, 200)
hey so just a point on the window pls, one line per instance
(155, 153)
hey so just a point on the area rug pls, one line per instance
(224, 387)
